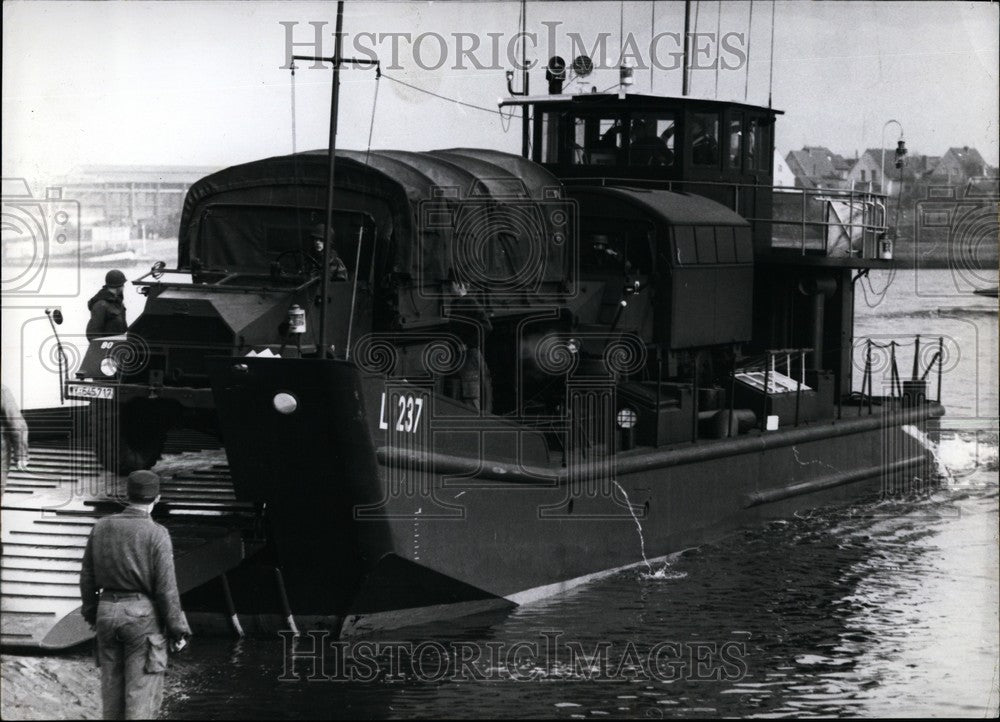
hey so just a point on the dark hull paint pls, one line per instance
(385, 528)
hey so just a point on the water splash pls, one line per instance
(663, 572)
(638, 526)
(925, 441)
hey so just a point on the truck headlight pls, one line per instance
(285, 403)
(627, 418)
(109, 367)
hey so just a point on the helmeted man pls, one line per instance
(338, 271)
(107, 308)
(129, 593)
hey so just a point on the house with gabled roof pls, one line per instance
(782, 174)
(818, 167)
(959, 164)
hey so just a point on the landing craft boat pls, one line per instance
(525, 371)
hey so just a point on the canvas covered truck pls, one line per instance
(248, 277)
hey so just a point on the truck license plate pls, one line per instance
(79, 391)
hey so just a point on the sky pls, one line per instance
(199, 83)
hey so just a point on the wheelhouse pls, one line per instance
(647, 137)
(721, 150)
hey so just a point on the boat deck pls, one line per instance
(48, 512)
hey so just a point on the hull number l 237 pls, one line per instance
(406, 410)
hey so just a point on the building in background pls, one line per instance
(120, 204)
(866, 173)
(875, 170)
(783, 176)
(959, 165)
(818, 167)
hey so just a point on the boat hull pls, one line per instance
(375, 523)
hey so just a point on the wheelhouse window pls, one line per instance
(736, 140)
(550, 144)
(580, 139)
(705, 138)
(597, 140)
(757, 153)
(651, 139)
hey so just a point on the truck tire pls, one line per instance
(127, 438)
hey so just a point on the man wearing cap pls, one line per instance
(107, 310)
(129, 594)
(338, 271)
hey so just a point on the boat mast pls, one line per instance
(334, 99)
(687, 46)
(524, 82)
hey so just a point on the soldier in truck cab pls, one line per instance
(107, 308)
(338, 271)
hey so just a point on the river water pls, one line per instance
(875, 608)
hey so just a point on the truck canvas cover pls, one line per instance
(478, 216)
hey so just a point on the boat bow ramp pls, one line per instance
(48, 512)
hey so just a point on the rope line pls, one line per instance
(371, 125)
(473, 106)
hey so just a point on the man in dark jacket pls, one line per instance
(107, 310)
(129, 592)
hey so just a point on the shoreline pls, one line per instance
(63, 685)
(50, 686)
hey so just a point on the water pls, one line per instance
(876, 608)
(872, 609)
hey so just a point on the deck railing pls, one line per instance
(905, 390)
(828, 221)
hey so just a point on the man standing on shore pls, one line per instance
(129, 592)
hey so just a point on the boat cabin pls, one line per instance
(721, 150)
(648, 137)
